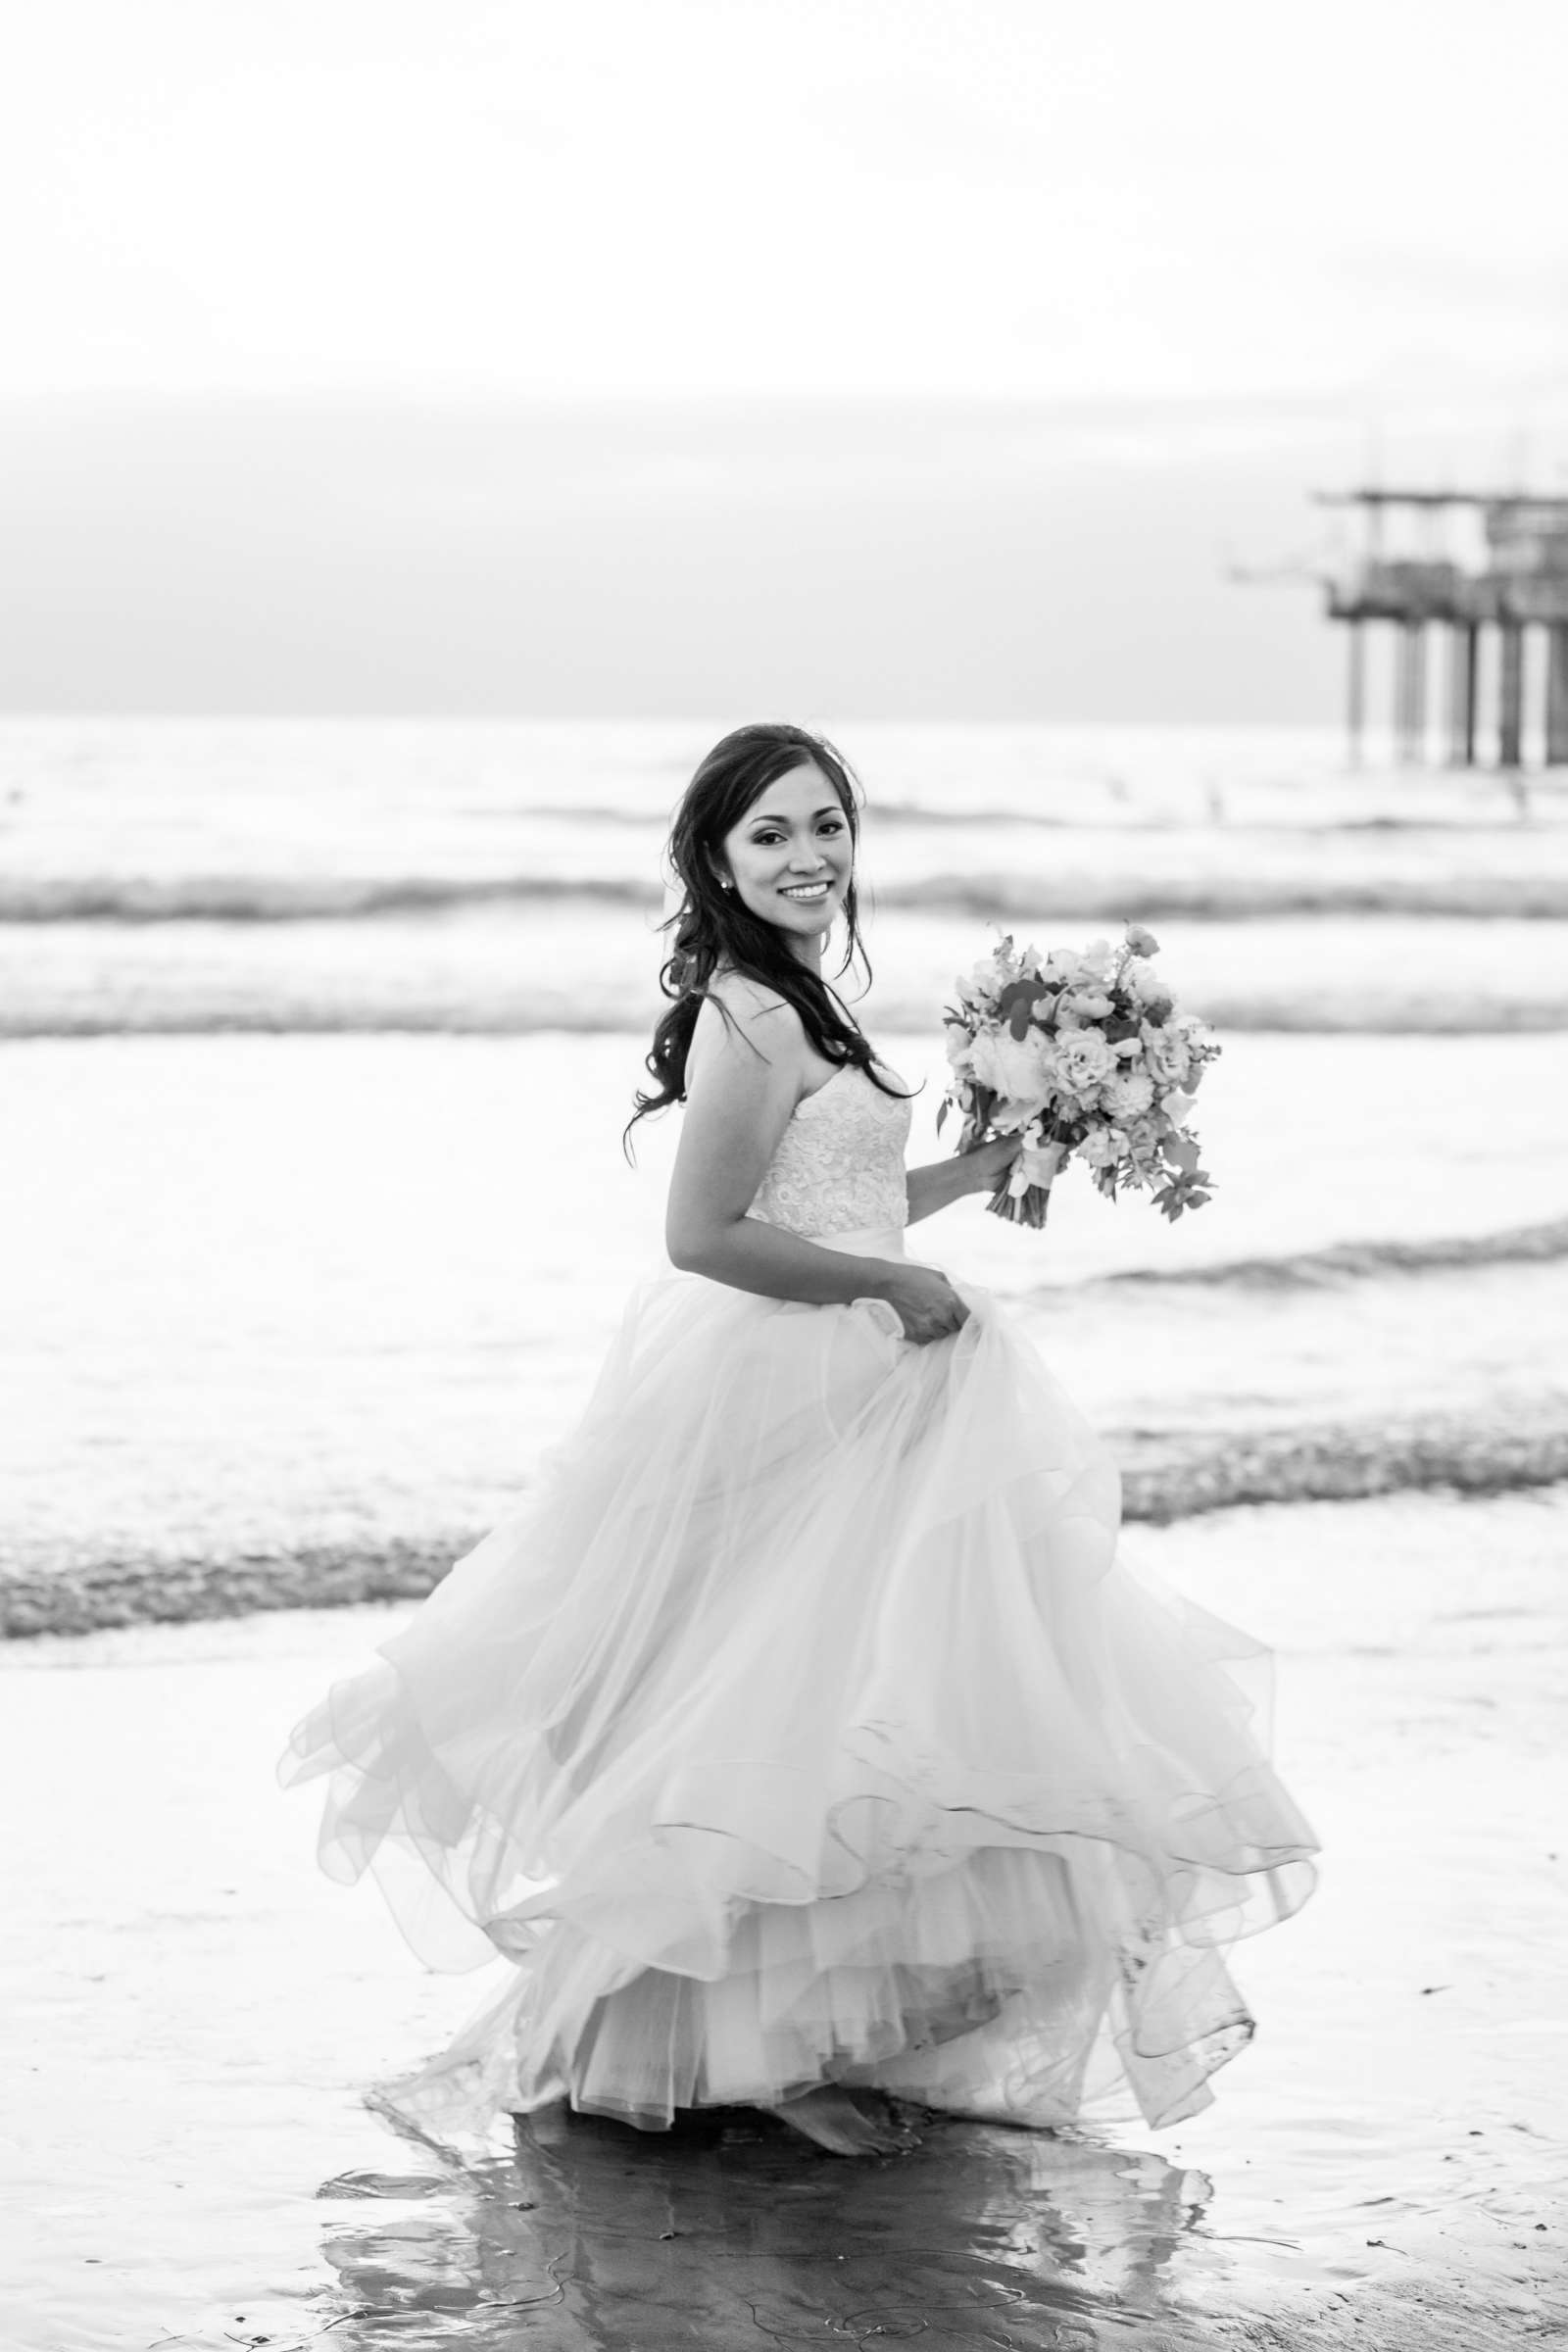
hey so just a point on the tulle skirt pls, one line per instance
(808, 1725)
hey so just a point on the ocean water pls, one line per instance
(191, 876)
(316, 1041)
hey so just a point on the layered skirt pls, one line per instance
(806, 1724)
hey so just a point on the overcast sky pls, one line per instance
(644, 354)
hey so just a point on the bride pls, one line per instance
(805, 1740)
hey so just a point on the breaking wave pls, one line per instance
(1319, 1462)
(1093, 896)
(475, 1011)
(1348, 1262)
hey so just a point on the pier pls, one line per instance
(1482, 580)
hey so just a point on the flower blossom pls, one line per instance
(1128, 1095)
(1083, 1060)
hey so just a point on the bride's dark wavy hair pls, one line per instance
(714, 926)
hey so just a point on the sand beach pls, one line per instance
(192, 2015)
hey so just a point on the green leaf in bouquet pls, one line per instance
(1184, 1192)
(1015, 1004)
(943, 1109)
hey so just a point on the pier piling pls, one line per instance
(1412, 690)
(1511, 694)
(1355, 689)
(1557, 695)
(1464, 646)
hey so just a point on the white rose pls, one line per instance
(1083, 1060)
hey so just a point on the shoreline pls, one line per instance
(1452, 1456)
(290, 1321)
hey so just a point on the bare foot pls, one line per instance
(831, 2118)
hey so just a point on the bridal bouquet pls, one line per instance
(1086, 1056)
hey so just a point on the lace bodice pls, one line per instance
(839, 1165)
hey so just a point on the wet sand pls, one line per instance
(192, 2013)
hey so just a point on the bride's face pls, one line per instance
(791, 857)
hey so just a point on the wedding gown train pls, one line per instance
(806, 1724)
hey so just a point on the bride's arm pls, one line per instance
(742, 1084)
(944, 1181)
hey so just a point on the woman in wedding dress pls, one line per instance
(805, 1740)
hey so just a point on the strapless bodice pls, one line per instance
(839, 1165)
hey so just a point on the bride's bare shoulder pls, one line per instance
(744, 988)
(746, 1010)
(753, 1003)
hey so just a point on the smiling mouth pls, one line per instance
(807, 892)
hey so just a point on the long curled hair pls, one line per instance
(714, 925)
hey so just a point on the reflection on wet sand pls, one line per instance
(729, 2230)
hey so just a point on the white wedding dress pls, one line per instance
(804, 1725)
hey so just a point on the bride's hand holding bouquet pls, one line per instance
(990, 1165)
(1076, 1054)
